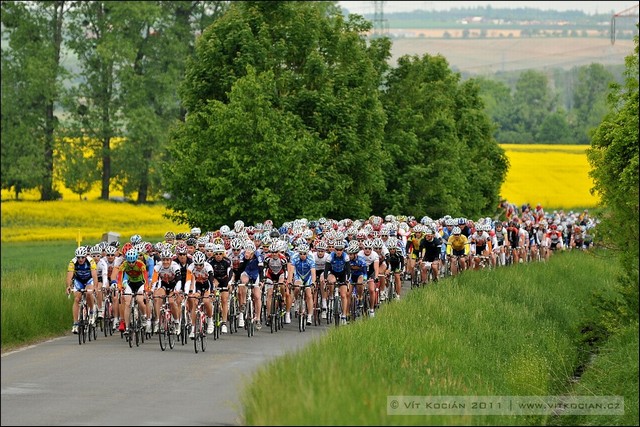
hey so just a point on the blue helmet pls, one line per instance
(132, 255)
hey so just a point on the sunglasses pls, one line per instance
(218, 253)
(199, 265)
(111, 255)
(302, 253)
(237, 250)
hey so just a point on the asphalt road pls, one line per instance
(107, 383)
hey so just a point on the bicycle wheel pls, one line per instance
(337, 309)
(170, 331)
(163, 331)
(184, 333)
(248, 316)
(301, 316)
(80, 326)
(196, 331)
(203, 333)
(274, 312)
(106, 319)
(136, 327)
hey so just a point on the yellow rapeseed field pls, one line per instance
(554, 175)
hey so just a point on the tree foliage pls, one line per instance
(321, 99)
(32, 78)
(444, 158)
(614, 157)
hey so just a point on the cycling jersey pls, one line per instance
(457, 245)
(302, 268)
(82, 271)
(253, 267)
(168, 278)
(136, 271)
(431, 248)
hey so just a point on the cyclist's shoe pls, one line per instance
(258, 325)
(309, 319)
(241, 320)
(324, 313)
(324, 304)
(287, 317)
(210, 326)
(148, 325)
(383, 295)
(372, 313)
(224, 328)
(156, 326)
(100, 314)
(343, 320)
(121, 328)
(74, 328)
(192, 335)
(92, 318)
(396, 296)
(176, 327)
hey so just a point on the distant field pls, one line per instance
(553, 175)
(488, 56)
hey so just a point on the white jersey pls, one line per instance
(320, 261)
(371, 258)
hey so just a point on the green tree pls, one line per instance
(589, 100)
(32, 76)
(555, 129)
(77, 167)
(533, 101)
(439, 140)
(96, 37)
(614, 157)
(325, 89)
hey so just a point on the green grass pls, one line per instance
(513, 331)
(34, 301)
(614, 372)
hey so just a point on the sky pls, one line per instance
(589, 7)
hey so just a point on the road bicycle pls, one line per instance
(249, 321)
(84, 323)
(216, 314)
(276, 315)
(300, 305)
(136, 330)
(106, 323)
(165, 324)
(416, 277)
(200, 325)
(234, 309)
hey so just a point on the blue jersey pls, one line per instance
(254, 266)
(302, 268)
(359, 266)
(338, 263)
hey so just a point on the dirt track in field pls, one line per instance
(488, 56)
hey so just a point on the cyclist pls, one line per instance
(395, 261)
(82, 274)
(320, 258)
(302, 270)
(338, 271)
(380, 248)
(105, 268)
(412, 248)
(372, 259)
(167, 280)
(358, 268)
(275, 267)
(480, 245)
(236, 255)
(457, 247)
(96, 255)
(199, 283)
(221, 266)
(252, 268)
(430, 249)
(500, 243)
(136, 284)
